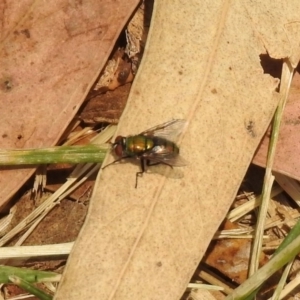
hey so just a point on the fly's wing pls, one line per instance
(177, 161)
(169, 130)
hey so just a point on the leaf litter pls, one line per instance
(164, 226)
(244, 245)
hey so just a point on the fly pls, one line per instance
(152, 147)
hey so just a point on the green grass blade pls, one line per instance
(63, 154)
(277, 262)
(30, 288)
(27, 274)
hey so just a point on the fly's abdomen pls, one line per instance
(172, 148)
(138, 144)
(165, 147)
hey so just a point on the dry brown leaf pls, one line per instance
(50, 55)
(202, 64)
(230, 256)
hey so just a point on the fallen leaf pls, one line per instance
(50, 55)
(201, 63)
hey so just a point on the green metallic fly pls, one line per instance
(152, 147)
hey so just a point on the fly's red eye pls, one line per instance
(118, 145)
(119, 150)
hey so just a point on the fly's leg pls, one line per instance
(140, 174)
(117, 160)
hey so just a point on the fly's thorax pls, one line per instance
(138, 144)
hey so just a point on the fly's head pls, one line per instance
(119, 145)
